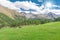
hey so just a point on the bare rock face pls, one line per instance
(9, 12)
(49, 15)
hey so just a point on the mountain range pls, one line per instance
(11, 13)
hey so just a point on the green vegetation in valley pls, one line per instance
(49, 31)
(19, 21)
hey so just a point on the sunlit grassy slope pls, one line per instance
(49, 31)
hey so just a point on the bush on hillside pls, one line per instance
(57, 19)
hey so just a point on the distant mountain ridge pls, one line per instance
(49, 15)
(11, 13)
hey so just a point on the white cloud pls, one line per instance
(8, 4)
(56, 6)
(55, 11)
(28, 5)
(17, 5)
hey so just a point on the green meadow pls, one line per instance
(48, 31)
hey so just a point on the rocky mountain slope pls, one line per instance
(49, 15)
(9, 12)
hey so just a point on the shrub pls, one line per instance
(57, 19)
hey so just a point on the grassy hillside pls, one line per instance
(49, 31)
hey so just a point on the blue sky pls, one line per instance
(57, 2)
(35, 1)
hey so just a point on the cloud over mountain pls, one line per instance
(26, 5)
(8, 4)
